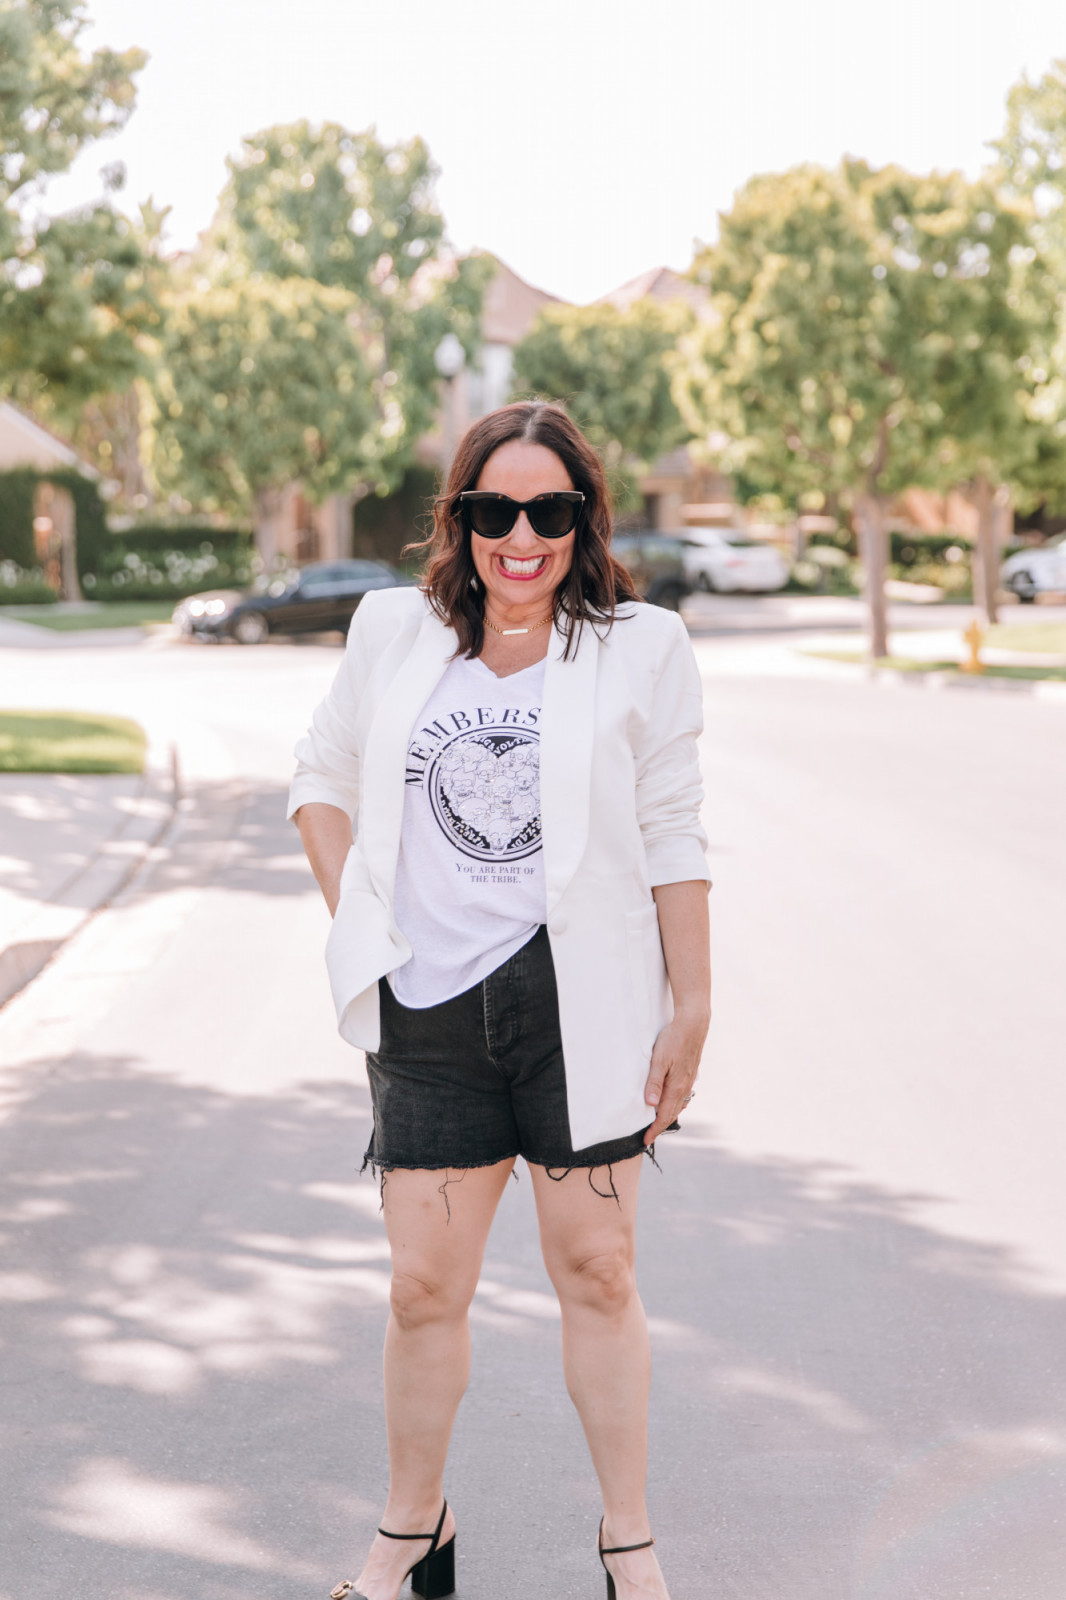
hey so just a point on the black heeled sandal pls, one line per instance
(432, 1576)
(619, 1550)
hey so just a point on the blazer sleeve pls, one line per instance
(327, 757)
(669, 788)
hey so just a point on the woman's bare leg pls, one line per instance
(436, 1260)
(588, 1244)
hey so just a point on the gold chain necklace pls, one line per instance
(542, 624)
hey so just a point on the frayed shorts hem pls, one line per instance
(555, 1171)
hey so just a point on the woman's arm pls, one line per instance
(326, 834)
(675, 1060)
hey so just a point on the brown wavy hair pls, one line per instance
(595, 584)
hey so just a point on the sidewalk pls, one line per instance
(69, 844)
(934, 645)
(18, 635)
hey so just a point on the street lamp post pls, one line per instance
(449, 359)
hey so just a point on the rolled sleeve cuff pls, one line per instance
(677, 860)
(304, 790)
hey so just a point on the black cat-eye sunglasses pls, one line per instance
(493, 515)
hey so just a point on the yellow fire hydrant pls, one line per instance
(974, 636)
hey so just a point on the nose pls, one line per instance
(522, 536)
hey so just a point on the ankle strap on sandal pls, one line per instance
(622, 1549)
(434, 1536)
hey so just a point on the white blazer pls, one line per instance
(620, 802)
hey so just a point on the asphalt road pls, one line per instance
(854, 1260)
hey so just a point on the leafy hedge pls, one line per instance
(906, 549)
(920, 549)
(156, 562)
(16, 517)
(24, 586)
(152, 561)
(17, 489)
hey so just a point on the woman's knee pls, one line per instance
(603, 1280)
(417, 1299)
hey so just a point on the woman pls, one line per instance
(515, 744)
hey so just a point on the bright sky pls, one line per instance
(582, 141)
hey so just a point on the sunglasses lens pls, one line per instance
(552, 515)
(491, 518)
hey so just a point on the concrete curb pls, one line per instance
(1035, 689)
(108, 870)
(890, 677)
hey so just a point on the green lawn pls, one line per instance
(909, 664)
(111, 614)
(69, 741)
(1048, 638)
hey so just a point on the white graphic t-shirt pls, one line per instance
(470, 877)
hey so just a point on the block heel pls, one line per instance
(617, 1550)
(432, 1575)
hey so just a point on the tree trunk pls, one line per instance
(267, 520)
(873, 548)
(1002, 520)
(65, 520)
(55, 525)
(985, 551)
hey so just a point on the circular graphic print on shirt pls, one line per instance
(484, 787)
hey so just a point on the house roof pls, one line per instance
(658, 283)
(25, 443)
(510, 306)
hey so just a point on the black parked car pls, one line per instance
(320, 598)
(656, 564)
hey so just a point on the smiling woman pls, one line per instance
(519, 944)
(524, 526)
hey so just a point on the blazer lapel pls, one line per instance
(385, 756)
(567, 730)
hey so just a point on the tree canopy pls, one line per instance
(1032, 154)
(263, 384)
(349, 212)
(610, 368)
(872, 331)
(73, 294)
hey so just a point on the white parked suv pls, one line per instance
(720, 560)
(1039, 570)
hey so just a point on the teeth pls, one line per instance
(529, 564)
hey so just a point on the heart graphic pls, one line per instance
(485, 791)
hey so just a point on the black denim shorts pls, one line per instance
(480, 1078)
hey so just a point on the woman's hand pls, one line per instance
(675, 1058)
(675, 1061)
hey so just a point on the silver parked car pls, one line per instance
(1039, 570)
(724, 560)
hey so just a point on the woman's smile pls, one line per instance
(522, 567)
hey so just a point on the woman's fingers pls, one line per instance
(669, 1084)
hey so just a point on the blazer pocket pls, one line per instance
(645, 971)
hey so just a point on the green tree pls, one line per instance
(263, 384)
(72, 289)
(610, 367)
(872, 329)
(347, 211)
(1032, 154)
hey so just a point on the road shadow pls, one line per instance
(232, 835)
(51, 824)
(847, 1403)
